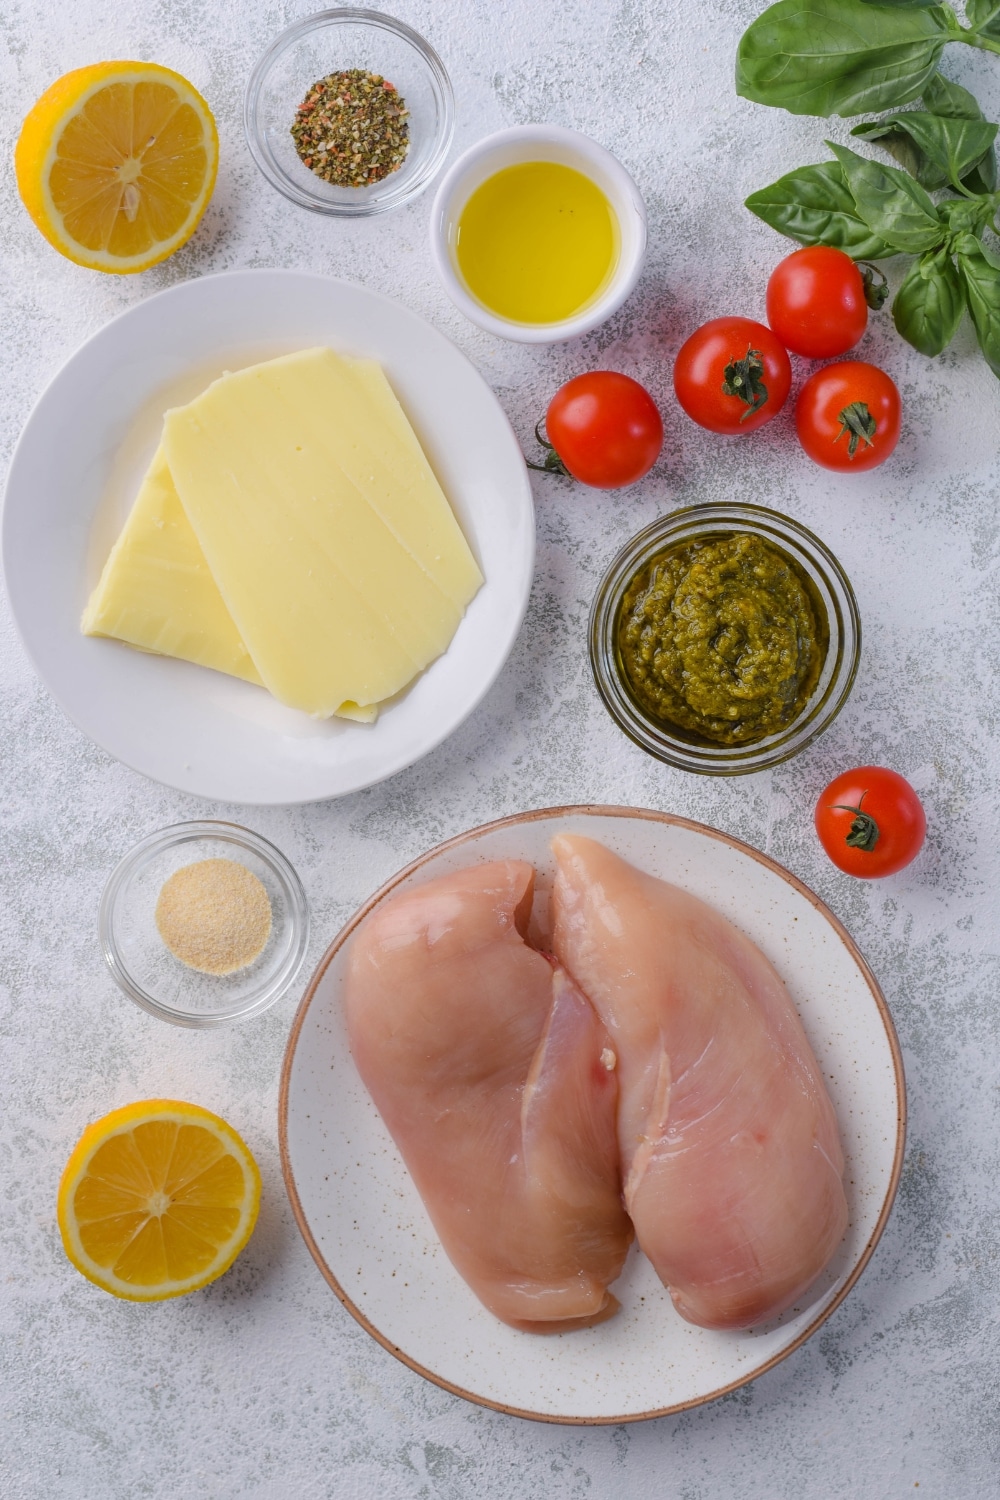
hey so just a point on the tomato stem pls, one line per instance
(864, 831)
(857, 421)
(875, 291)
(744, 378)
(553, 464)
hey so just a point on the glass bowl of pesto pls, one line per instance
(724, 638)
(356, 46)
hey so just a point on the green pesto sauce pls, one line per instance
(721, 638)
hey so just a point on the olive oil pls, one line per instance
(537, 242)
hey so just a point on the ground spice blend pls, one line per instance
(215, 916)
(351, 128)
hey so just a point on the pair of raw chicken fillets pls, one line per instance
(650, 1078)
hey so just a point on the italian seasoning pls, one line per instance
(351, 128)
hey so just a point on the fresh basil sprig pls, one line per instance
(850, 57)
(853, 57)
(874, 211)
(938, 151)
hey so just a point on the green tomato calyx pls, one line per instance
(745, 378)
(552, 463)
(863, 832)
(875, 291)
(859, 425)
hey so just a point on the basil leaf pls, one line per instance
(942, 97)
(928, 306)
(979, 269)
(892, 204)
(983, 179)
(903, 148)
(843, 57)
(951, 146)
(983, 16)
(875, 291)
(902, 4)
(814, 206)
(966, 215)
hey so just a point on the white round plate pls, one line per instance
(75, 474)
(366, 1226)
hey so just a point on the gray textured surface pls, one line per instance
(262, 1385)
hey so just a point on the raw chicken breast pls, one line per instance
(497, 1083)
(730, 1153)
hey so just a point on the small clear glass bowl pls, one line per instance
(330, 42)
(832, 597)
(148, 972)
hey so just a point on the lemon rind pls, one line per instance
(36, 194)
(123, 1121)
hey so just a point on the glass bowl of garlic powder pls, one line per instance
(204, 923)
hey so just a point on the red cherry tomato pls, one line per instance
(848, 416)
(816, 302)
(605, 428)
(732, 375)
(870, 822)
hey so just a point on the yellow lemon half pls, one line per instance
(116, 163)
(157, 1200)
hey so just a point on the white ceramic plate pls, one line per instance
(366, 1226)
(75, 474)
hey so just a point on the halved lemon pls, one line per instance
(116, 163)
(157, 1200)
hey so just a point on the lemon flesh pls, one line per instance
(157, 1199)
(116, 164)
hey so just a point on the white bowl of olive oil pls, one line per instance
(538, 233)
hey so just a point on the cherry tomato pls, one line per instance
(604, 429)
(816, 302)
(732, 375)
(870, 822)
(848, 416)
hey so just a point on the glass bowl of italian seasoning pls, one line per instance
(204, 923)
(349, 113)
(724, 638)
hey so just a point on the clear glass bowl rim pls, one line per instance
(273, 987)
(737, 760)
(348, 15)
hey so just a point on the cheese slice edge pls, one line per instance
(331, 604)
(156, 592)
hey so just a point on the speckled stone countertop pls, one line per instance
(263, 1385)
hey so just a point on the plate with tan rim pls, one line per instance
(370, 1235)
